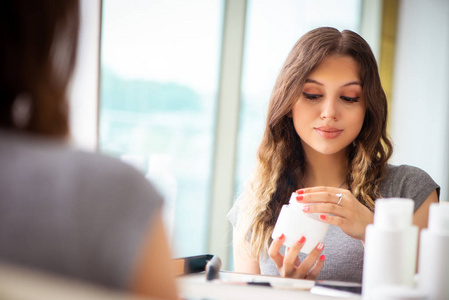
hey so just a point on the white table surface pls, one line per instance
(231, 285)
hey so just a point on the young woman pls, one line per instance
(325, 138)
(76, 214)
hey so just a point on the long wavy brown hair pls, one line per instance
(281, 164)
(38, 44)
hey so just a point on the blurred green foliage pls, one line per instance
(137, 95)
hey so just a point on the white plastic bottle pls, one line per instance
(434, 253)
(294, 224)
(390, 247)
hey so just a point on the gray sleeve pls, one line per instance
(408, 182)
(115, 226)
(233, 214)
(77, 214)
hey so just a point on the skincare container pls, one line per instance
(390, 247)
(294, 224)
(434, 253)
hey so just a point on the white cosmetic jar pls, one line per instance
(294, 223)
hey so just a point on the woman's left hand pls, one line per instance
(337, 207)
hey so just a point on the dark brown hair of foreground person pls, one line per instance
(38, 43)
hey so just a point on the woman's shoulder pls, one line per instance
(233, 213)
(403, 172)
(80, 172)
(110, 173)
(406, 181)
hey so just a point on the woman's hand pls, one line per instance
(290, 265)
(337, 207)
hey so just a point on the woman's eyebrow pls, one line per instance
(309, 80)
(352, 83)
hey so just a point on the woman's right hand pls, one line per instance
(290, 265)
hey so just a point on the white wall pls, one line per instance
(84, 89)
(420, 110)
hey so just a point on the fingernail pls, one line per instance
(299, 192)
(299, 198)
(306, 209)
(302, 240)
(323, 217)
(322, 257)
(320, 246)
(281, 236)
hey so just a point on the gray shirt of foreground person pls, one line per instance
(344, 255)
(78, 214)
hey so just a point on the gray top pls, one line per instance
(78, 214)
(344, 255)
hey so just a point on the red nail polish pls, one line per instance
(299, 198)
(281, 236)
(306, 209)
(320, 246)
(322, 257)
(302, 240)
(323, 217)
(300, 192)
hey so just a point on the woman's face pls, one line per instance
(329, 114)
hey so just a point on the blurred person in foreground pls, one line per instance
(77, 214)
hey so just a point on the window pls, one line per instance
(159, 75)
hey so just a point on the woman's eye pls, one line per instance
(350, 99)
(311, 96)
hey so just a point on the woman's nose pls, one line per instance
(329, 109)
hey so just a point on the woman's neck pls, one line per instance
(326, 170)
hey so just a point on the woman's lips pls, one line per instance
(328, 132)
